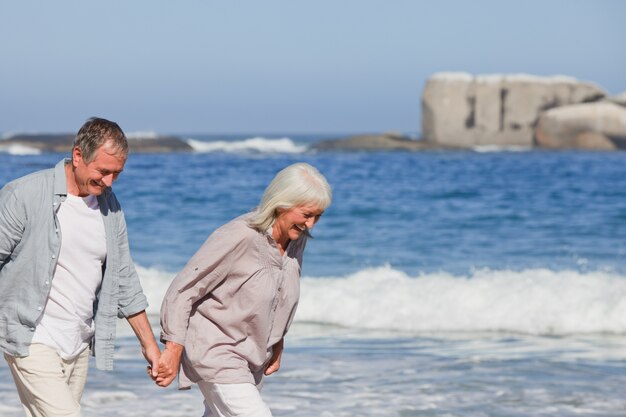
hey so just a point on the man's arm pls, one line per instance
(141, 326)
(12, 219)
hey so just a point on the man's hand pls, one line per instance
(274, 363)
(169, 363)
(152, 355)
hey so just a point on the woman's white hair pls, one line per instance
(297, 185)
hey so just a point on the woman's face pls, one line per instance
(291, 223)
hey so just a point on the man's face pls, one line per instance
(95, 176)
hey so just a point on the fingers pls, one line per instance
(153, 356)
(154, 369)
(273, 367)
(164, 382)
(165, 377)
(167, 369)
(274, 364)
(152, 372)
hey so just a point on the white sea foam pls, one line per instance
(532, 301)
(499, 148)
(17, 149)
(142, 135)
(251, 145)
(155, 283)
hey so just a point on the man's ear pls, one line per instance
(77, 156)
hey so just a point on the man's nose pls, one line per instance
(108, 180)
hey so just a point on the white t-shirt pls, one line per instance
(67, 322)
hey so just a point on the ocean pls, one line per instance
(487, 282)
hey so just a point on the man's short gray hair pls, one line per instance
(95, 133)
(296, 185)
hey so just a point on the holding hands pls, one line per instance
(168, 364)
(166, 370)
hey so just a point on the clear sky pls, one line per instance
(262, 66)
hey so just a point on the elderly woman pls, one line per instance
(226, 313)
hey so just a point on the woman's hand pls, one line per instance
(274, 363)
(169, 362)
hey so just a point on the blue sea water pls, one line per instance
(438, 283)
(450, 211)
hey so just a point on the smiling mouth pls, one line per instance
(303, 230)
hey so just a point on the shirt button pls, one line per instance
(32, 329)
(38, 308)
(53, 256)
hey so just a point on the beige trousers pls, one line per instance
(48, 385)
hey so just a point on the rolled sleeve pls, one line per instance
(134, 300)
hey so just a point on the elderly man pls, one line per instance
(66, 273)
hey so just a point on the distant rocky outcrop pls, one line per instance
(373, 142)
(462, 110)
(159, 144)
(63, 143)
(459, 111)
(599, 126)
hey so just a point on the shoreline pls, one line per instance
(34, 144)
(63, 143)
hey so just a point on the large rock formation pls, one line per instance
(600, 126)
(618, 99)
(459, 109)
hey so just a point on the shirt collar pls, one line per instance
(270, 238)
(60, 181)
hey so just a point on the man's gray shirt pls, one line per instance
(30, 241)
